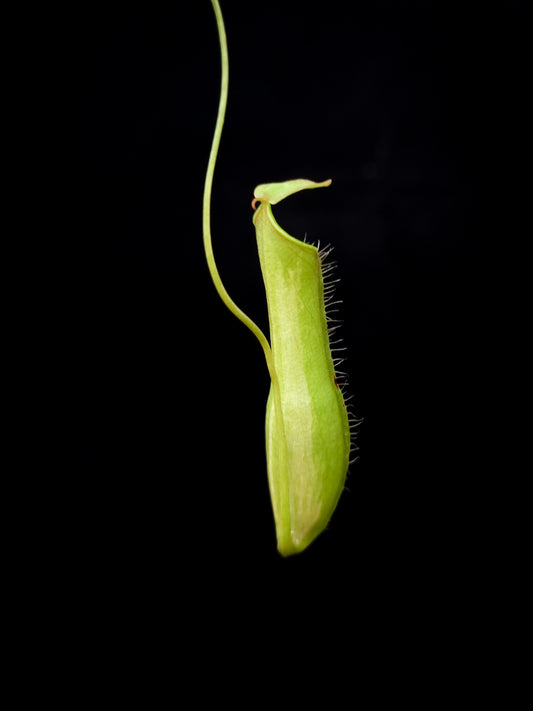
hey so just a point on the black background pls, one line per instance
(414, 110)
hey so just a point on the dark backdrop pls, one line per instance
(413, 109)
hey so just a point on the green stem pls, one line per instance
(208, 245)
